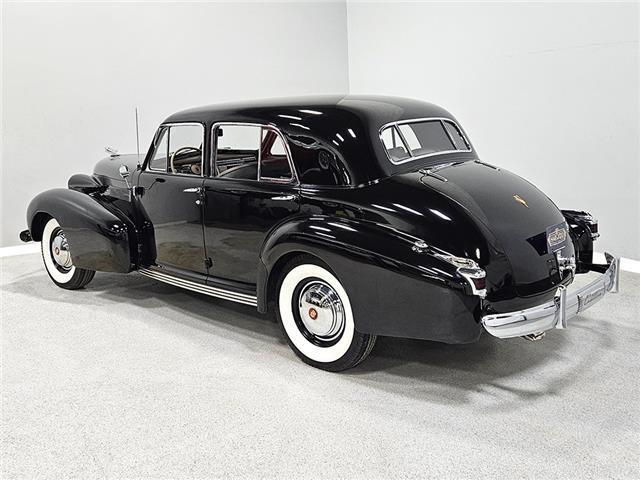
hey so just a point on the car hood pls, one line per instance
(515, 216)
(107, 169)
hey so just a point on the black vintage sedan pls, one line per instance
(352, 216)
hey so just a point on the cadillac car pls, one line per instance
(351, 217)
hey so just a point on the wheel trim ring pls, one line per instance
(54, 272)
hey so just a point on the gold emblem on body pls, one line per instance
(521, 200)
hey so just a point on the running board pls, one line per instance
(200, 288)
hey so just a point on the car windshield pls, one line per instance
(408, 140)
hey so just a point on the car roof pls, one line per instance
(375, 108)
(346, 125)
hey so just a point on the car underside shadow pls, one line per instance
(190, 308)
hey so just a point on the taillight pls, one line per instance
(480, 283)
(471, 272)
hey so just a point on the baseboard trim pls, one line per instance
(32, 247)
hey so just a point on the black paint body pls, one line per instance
(362, 225)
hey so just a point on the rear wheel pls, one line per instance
(57, 259)
(316, 316)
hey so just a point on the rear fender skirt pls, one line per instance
(393, 289)
(98, 238)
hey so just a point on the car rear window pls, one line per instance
(394, 144)
(407, 140)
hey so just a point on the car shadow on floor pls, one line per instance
(504, 372)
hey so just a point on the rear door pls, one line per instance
(252, 188)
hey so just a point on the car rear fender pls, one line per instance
(99, 239)
(371, 260)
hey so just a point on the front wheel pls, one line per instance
(316, 316)
(57, 259)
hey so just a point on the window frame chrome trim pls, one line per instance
(212, 154)
(412, 157)
(147, 167)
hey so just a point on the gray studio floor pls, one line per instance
(133, 378)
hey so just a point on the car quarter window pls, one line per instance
(316, 164)
(250, 152)
(179, 149)
(408, 139)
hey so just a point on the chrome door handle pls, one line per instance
(284, 197)
(192, 190)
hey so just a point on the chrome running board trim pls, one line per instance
(217, 292)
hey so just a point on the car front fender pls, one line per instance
(98, 238)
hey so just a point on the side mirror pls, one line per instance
(124, 171)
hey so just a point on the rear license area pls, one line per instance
(557, 237)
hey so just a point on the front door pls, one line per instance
(251, 189)
(171, 197)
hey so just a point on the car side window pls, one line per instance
(178, 149)
(185, 149)
(159, 159)
(274, 163)
(250, 152)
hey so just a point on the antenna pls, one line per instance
(137, 136)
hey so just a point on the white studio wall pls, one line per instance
(73, 73)
(546, 90)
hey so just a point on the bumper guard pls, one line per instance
(557, 312)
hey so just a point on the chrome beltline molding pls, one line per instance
(217, 292)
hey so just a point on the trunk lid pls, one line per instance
(528, 227)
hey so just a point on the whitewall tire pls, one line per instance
(57, 259)
(317, 319)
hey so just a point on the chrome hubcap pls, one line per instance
(321, 310)
(60, 251)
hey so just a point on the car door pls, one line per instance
(171, 191)
(251, 188)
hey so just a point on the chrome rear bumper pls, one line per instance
(557, 312)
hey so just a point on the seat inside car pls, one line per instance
(245, 172)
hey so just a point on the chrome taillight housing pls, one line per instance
(467, 268)
(471, 272)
